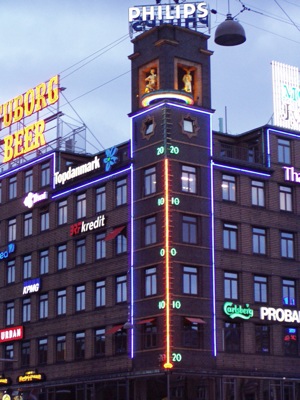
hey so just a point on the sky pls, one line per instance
(88, 44)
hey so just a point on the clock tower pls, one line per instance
(171, 272)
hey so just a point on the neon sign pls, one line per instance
(235, 311)
(9, 334)
(30, 137)
(31, 376)
(82, 227)
(31, 286)
(10, 249)
(33, 198)
(290, 175)
(61, 178)
(279, 314)
(143, 18)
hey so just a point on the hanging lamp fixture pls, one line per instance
(230, 32)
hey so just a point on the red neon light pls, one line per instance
(168, 363)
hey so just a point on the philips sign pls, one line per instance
(188, 15)
(31, 286)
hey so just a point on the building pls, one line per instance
(165, 266)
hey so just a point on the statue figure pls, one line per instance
(151, 81)
(187, 80)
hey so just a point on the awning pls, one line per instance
(145, 321)
(195, 320)
(114, 233)
(114, 329)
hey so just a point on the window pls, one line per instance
(45, 175)
(61, 302)
(80, 252)
(12, 229)
(285, 198)
(44, 262)
(43, 306)
(284, 151)
(262, 339)
(288, 292)
(11, 271)
(26, 310)
(189, 229)
(230, 285)
(100, 294)
(150, 281)
(188, 179)
(45, 221)
(100, 199)
(232, 337)
(121, 288)
(121, 341)
(188, 125)
(62, 257)
(150, 335)
(192, 332)
(81, 206)
(150, 181)
(290, 341)
(62, 212)
(80, 298)
(230, 237)
(25, 354)
(150, 231)
(42, 351)
(61, 348)
(27, 267)
(12, 188)
(100, 342)
(190, 280)
(121, 192)
(28, 224)
(79, 350)
(28, 181)
(258, 193)
(287, 245)
(8, 354)
(228, 188)
(260, 289)
(121, 243)
(10, 313)
(259, 241)
(100, 246)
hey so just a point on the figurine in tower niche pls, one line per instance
(187, 80)
(151, 81)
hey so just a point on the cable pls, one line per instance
(287, 15)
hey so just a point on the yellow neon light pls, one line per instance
(168, 363)
(163, 94)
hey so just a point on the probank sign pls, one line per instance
(188, 15)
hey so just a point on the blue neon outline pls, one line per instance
(243, 170)
(131, 249)
(103, 178)
(275, 131)
(214, 327)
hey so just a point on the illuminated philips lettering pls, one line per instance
(145, 17)
(235, 311)
(290, 174)
(279, 314)
(61, 178)
(33, 198)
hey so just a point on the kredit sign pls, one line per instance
(142, 18)
(30, 137)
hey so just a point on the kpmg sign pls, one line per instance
(188, 15)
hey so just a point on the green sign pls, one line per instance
(238, 311)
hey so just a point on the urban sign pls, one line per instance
(9, 334)
(31, 286)
(30, 137)
(142, 18)
(10, 249)
(62, 178)
(237, 311)
(82, 227)
(31, 376)
(4, 381)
